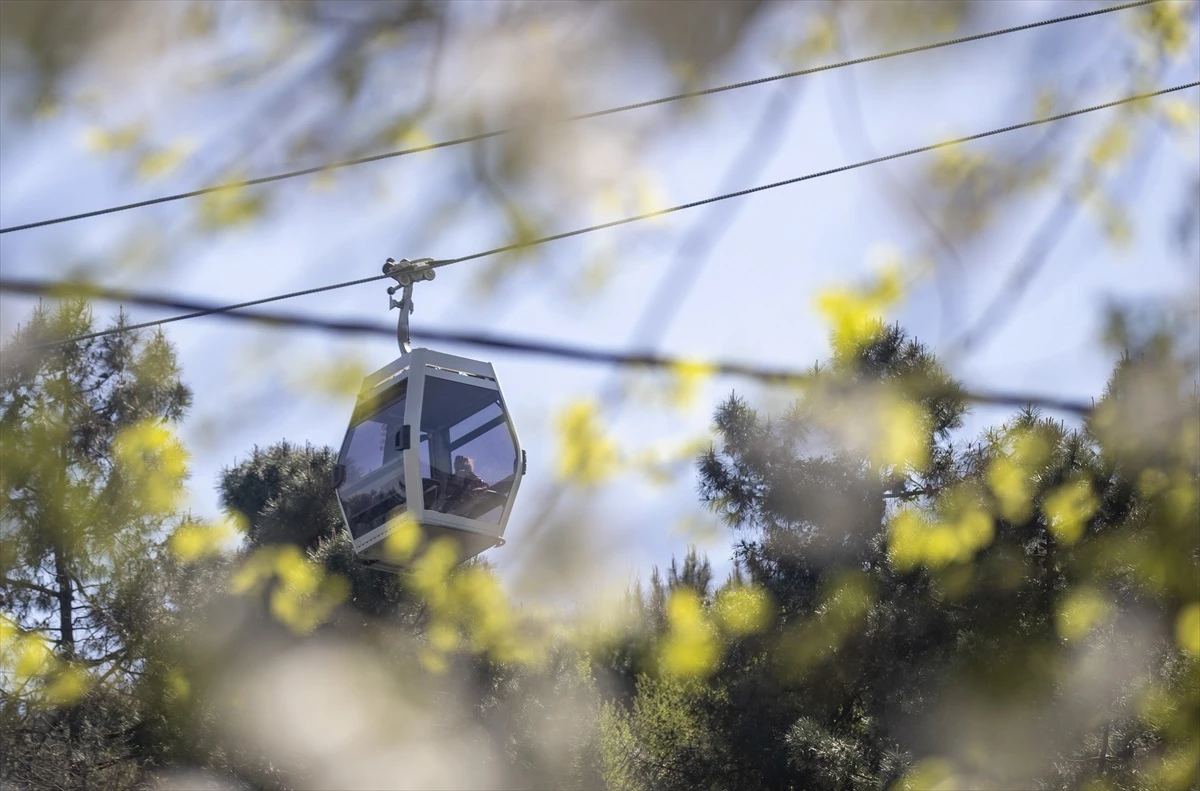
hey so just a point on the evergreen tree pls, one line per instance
(91, 478)
(905, 583)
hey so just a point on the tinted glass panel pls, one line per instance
(370, 507)
(371, 442)
(468, 456)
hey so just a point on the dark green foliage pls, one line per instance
(286, 495)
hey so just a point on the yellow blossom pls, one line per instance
(743, 610)
(402, 539)
(1187, 629)
(586, 455)
(1111, 146)
(408, 136)
(33, 657)
(855, 316)
(687, 378)
(178, 685)
(156, 463)
(690, 648)
(196, 541)
(1078, 612)
(163, 161)
(902, 437)
(915, 540)
(231, 206)
(648, 196)
(1181, 114)
(1068, 509)
(68, 685)
(108, 141)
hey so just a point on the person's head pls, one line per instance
(464, 465)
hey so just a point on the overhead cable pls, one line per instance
(227, 309)
(567, 352)
(233, 185)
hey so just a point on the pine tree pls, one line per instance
(91, 478)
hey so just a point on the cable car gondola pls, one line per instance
(430, 437)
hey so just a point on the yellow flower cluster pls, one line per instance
(902, 439)
(914, 539)
(155, 461)
(31, 666)
(694, 641)
(1068, 509)
(743, 610)
(1079, 612)
(195, 541)
(469, 610)
(230, 207)
(586, 455)
(1111, 146)
(687, 377)
(1011, 475)
(161, 162)
(300, 594)
(856, 315)
(691, 647)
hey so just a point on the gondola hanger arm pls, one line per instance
(405, 273)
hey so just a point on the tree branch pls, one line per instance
(29, 586)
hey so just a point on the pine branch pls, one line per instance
(33, 586)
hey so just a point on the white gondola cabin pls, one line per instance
(431, 438)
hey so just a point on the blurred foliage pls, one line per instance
(907, 609)
(1018, 611)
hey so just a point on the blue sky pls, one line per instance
(752, 303)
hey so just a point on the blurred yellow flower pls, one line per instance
(743, 610)
(1079, 612)
(402, 540)
(687, 377)
(303, 596)
(855, 316)
(690, 647)
(1167, 24)
(178, 685)
(68, 685)
(231, 206)
(196, 541)
(954, 165)
(586, 456)
(409, 136)
(846, 601)
(648, 196)
(108, 141)
(443, 636)
(1068, 509)
(1187, 629)
(916, 540)
(903, 436)
(820, 39)
(1111, 146)
(431, 570)
(155, 462)
(163, 161)
(906, 540)
(1181, 114)
(253, 572)
(33, 657)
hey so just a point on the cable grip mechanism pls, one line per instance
(405, 273)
